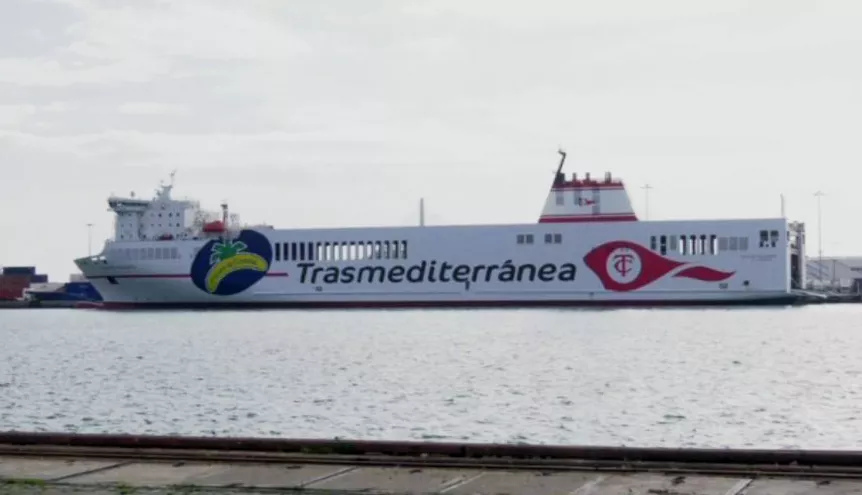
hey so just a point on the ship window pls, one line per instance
(310, 252)
(653, 244)
(293, 251)
(559, 195)
(764, 238)
(528, 238)
(175, 253)
(277, 248)
(773, 238)
(743, 243)
(663, 244)
(558, 238)
(722, 244)
(734, 243)
(549, 238)
(520, 238)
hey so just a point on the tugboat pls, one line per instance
(58, 294)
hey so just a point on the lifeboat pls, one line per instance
(217, 226)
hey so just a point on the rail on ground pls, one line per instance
(832, 463)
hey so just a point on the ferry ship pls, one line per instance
(587, 248)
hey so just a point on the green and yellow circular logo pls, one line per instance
(228, 267)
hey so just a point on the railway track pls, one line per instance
(544, 458)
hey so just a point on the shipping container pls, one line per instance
(15, 279)
(19, 270)
(10, 295)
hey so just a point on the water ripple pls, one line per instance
(708, 378)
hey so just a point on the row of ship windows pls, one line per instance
(709, 244)
(340, 251)
(148, 253)
(549, 238)
(130, 236)
(686, 244)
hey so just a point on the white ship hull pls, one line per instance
(588, 248)
(603, 263)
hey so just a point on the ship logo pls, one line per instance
(624, 266)
(225, 267)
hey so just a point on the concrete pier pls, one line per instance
(62, 463)
(57, 475)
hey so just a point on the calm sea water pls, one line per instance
(776, 378)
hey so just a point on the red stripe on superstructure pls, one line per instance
(589, 187)
(586, 218)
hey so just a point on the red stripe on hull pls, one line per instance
(172, 275)
(771, 301)
(588, 218)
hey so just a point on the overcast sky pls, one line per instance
(344, 113)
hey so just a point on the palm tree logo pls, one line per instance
(222, 251)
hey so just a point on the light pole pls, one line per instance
(818, 195)
(89, 239)
(646, 189)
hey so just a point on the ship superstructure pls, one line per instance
(588, 247)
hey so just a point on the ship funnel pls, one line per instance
(588, 200)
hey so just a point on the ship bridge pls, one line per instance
(159, 218)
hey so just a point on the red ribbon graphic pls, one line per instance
(652, 266)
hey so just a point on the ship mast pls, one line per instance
(559, 177)
(224, 218)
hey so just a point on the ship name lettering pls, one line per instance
(434, 272)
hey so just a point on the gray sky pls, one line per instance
(344, 113)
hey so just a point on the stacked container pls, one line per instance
(14, 279)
